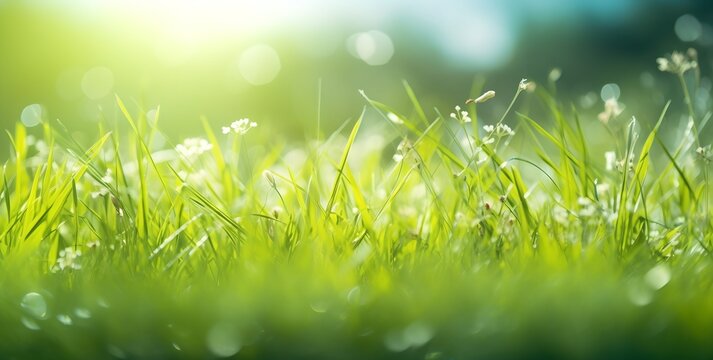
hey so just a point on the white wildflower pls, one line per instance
(678, 63)
(241, 126)
(704, 152)
(461, 115)
(193, 147)
(68, 259)
(99, 193)
(612, 109)
(586, 207)
(195, 178)
(560, 215)
(464, 117)
(108, 177)
(610, 158)
(602, 189)
(102, 190)
(622, 164)
(402, 150)
(499, 130)
(504, 130)
(525, 85)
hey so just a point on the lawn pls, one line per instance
(416, 233)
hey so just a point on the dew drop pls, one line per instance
(319, 307)
(223, 340)
(30, 324)
(116, 352)
(418, 334)
(353, 295)
(396, 342)
(83, 313)
(35, 305)
(640, 295)
(658, 276)
(64, 319)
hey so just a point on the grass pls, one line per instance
(401, 235)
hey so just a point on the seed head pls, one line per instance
(482, 98)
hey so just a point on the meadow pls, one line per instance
(412, 233)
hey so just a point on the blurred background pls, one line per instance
(65, 59)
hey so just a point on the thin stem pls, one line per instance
(687, 97)
(519, 90)
(694, 128)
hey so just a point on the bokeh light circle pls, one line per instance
(32, 115)
(223, 340)
(97, 82)
(610, 91)
(688, 28)
(259, 64)
(373, 47)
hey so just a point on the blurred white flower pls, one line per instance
(678, 63)
(99, 193)
(621, 165)
(193, 146)
(461, 115)
(108, 177)
(612, 109)
(586, 207)
(504, 130)
(610, 159)
(499, 130)
(102, 190)
(241, 126)
(526, 85)
(560, 215)
(402, 150)
(195, 178)
(704, 152)
(68, 259)
(602, 189)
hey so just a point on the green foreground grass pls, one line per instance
(402, 235)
